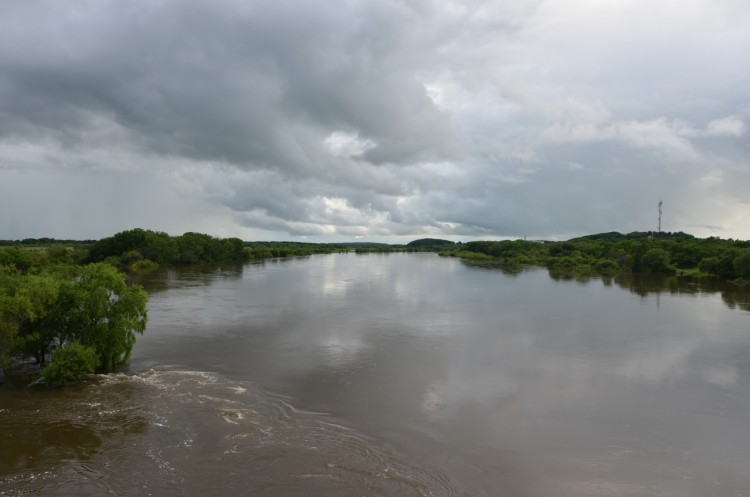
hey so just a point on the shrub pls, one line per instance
(710, 265)
(607, 266)
(143, 266)
(656, 261)
(69, 364)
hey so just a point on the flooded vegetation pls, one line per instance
(403, 374)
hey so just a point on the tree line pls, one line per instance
(140, 249)
(607, 253)
(267, 250)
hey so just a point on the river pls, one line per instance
(401, 374)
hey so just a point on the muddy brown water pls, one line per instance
(402, 374)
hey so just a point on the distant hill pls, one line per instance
(614, 236)
(429, 242)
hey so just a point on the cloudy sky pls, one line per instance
(381, 120)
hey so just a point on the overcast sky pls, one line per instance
(377, 120)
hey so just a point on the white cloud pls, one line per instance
(342, 144)
(594, 123)
(727, 126)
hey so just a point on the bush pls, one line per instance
(656, 261)
(143, 266)
(710, 265)
(607, 266)
(69, 364)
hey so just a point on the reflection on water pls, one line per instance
(415, 374)
(175, 277)
(735, 296)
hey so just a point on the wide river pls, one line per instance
(401, 375)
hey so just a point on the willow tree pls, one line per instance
(102, 312)
(25, 301)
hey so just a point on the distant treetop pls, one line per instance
(614, 236)
(429, 242)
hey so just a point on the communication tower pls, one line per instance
(658, 229)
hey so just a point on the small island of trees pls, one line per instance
(88, 317)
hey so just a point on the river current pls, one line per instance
(402, 374)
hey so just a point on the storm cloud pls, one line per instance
(381, 120)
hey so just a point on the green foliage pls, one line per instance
(105, 313)
(60, 305)
(25, 302)
(429, 243)
(135, 244)
(710, 266)
(656, 261)
(21, 259)
(507, 249)
(69, 364)
(143, 266)
(638, 252)
(127, 248)
(606, 266)
(267, 250)
(742, 264)
(465, 254)
(726, 269)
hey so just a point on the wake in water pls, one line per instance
(167, 432)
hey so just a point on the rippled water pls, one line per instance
(163, 432)
(402, 375)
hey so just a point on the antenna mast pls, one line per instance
(659, 227)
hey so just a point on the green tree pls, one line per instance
(69, 364)
(105, 314)
(8, 318)
(36, 297)
(19, 258)
(710, 265)
(59, 255)
(742, 264)
(656, 260)
(726, 268)
(25, 301)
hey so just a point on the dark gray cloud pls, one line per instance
(255, 84)
(373, 119)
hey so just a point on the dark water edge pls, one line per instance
(403, 375)
(735, 296)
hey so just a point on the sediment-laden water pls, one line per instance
(402, 375)
(165, 432)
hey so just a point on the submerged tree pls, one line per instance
(69, 364)
(88, 319)
(25, 301)
(105, 314)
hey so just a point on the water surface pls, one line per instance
(402, 375)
